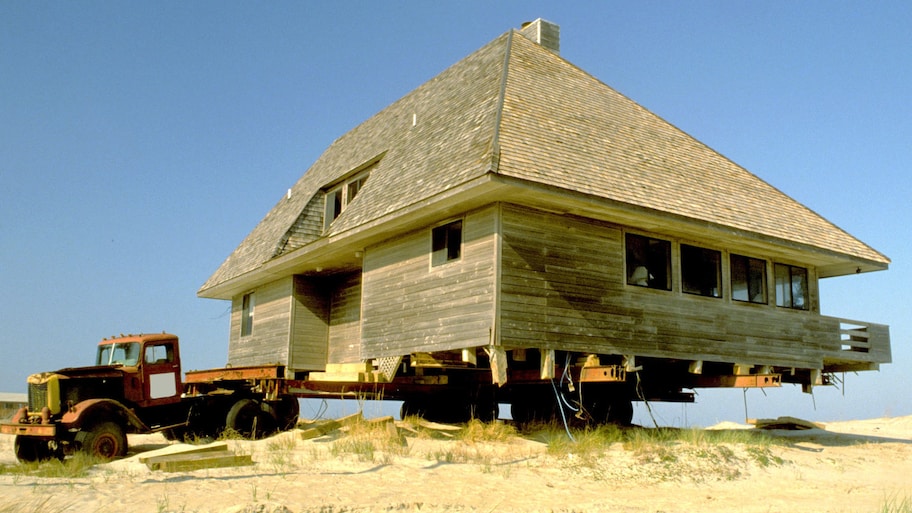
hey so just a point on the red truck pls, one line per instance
(135, 386)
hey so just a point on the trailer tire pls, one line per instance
(251, 419)
(614, 411)
(104, 440)
(287, 411)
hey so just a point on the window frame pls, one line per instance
(339, 196)
(636, 265)
(248, 307)
(443, 236)
(804, 282)
(751, 264)
(703, 276)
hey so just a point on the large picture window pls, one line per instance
(748, 279)
(701, 271)
(648, 262)
(446, 243)
(791, 286)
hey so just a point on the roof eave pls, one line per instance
(337, 252)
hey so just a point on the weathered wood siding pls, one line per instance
(310, 325)
(410, 306)
(268, 341)
(563, 287)
(345, 318)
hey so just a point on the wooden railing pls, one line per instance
(862, 345)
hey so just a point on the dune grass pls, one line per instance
(77, 465)
(896, 504)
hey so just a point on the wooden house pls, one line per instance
(515, 208)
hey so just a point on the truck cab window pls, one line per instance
(159, 354)
(118, 354)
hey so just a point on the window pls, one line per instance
(748, 279)
(333, 206)
(124, 353)
(701, 271)
(354, 186)
(159, 354)
(446, 243)
(247, 304)
(791, 286)
(340, 196)
(648, 262)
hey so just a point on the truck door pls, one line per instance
(161, 374)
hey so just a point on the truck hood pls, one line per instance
(96, 371)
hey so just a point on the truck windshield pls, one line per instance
(124, 353)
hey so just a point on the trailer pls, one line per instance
(136, 387)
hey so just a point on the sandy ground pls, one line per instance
(851, 466)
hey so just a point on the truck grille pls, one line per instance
(37, 396)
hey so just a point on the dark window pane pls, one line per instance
(748, 279)
(446, 243)
(648, 262)
(701, 271)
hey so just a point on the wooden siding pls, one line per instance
(563, 287)
(268, 342)
(345, 319)
(310, 325)
(410, 306)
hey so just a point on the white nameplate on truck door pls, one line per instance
(162, 385)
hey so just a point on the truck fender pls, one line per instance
(88, 412)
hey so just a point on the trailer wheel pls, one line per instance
(614, 411)
(251, 419)
(105, 440)
(287, 411)
(533, 406)
(29, 450)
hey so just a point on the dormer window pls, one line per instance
(339, 196)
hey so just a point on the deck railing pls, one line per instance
(865, 344)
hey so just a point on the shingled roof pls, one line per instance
(518, 111)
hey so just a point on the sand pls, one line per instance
(846, 467)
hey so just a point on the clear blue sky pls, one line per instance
(141, 141)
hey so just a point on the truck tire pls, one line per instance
(251, 419)
(287, 411)
(30, 450)
(105, 440)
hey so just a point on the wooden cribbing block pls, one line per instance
(328, 426)
(173, 450)
(197, 461)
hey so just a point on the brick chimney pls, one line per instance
(544, 33)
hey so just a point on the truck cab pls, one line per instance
(150, 366)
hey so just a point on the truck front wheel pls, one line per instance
(105, 440)
(29, 449)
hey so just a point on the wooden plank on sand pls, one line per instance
(790, 423)
(155, 456)
(324, 427)
(197, 461)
